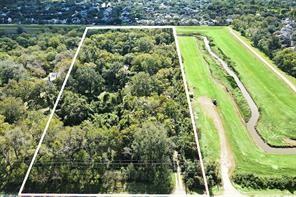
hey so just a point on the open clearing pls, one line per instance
(255, 115)
(199, 68)
(272, 95)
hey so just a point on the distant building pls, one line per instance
(106, 5)
(285, 34)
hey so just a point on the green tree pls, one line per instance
(145, 44)
(146, 63)
(12, 108)
(88, 81)
(74, 108)
(212, 172)
(286, 60)
(152, 149)
(7, 44)
(4, 126)
(10, 70)
(192, 176)
(141, 84)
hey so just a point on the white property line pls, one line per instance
(277, 72)
(51, 115)
(130, 27)
(59, 97)
(105, 195)
(191, 113)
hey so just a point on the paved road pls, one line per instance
(251, 124)
(276, 71)
(226, 157)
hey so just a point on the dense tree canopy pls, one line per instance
(271, 34)
(121, 117)
(9, 70)
(286, 60)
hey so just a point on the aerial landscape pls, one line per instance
(147, 98)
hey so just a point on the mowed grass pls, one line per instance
(274, 98)
(248, 158)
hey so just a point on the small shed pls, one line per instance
(52, 76)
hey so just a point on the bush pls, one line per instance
(10, 70)
(12, 108)
(213, 173)
(253, 181)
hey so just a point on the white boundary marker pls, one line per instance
(191, 113)
(61, 92)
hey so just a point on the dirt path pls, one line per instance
(226, 157)
(179, 188)
(276, 71)
(252, 123)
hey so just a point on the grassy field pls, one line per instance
(275, 99)
(293, 79)
(248, 158)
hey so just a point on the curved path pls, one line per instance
(226, 157)
(251, 124)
